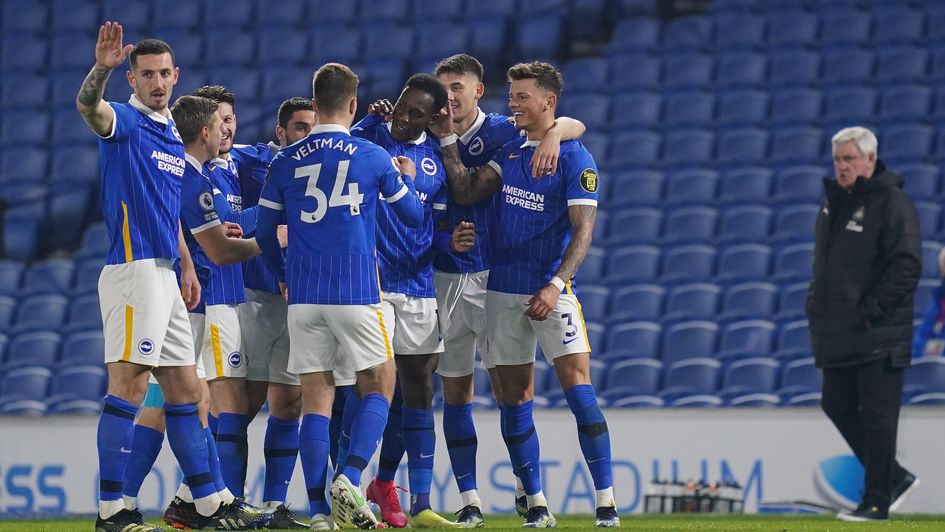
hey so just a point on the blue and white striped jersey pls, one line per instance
(142, 163)
(252, 166)
(533, 228)
(329, 185)
(477, 147)
(406, 254)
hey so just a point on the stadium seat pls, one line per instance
(852, 103)
(94, 242)
(36, 348)
(78, 163)
(53, 276)
(742, 146)
(755, 400)
(587, 75)
(21, 164)
(24, 91)
(24, 126)
(636, 339)
(744, 262)
(930, 251)
(635, 187)
(926, 375)
(905, 102)
(907, 141)
(750, 375)
(287, 14)
(28, 16)
(134, 15)
(693, 108)
(748, 338)
(594, 302)
(280, 45)
(901, 64)
(692, 301)
(334, 43)
(634, 71)
(640, 376)
(811, 399)
(847, 65)
(80, 15)
(24, 389)
(923, 295)
(688, 147)
(793, 67)
(82, 348)
(10, 273)
(738, 30)
(68, 128)
(844, 26)
(929, 215)
(634, 34)
(7, 312)
(934, 398)
(444, 10)
(749, 184)
(85, 312)
(230, 13)
(795, 222)
(230, 47)
(898, 25)
(740, 69)
(596, 144)
(921, 180)
(751, 300)
(700, 400)
(690, 377)
(745, 223)
(795, 106)
(539, 37)
(792, 28)
(687, 32)
(635, 109)
(592, 269)
(69, 50)
(636, 224)
(689, 339)
(78, 383)
(799, 183)
(800, 376)
(794, 262)
(592, 109)
(637, 302)
(43, 311)
(487, 38)
(690, 224)
(687, 70)
(796, 144)
(280, 83)
(638, 401)
(20, 238)
(634, 148)
(794, 340)
(601, 225)
(687, 263)
(694, 186)
(744, 107)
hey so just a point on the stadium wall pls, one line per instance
(48, 465)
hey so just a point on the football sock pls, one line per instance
(366, 430)
(522, 442)
(280, 448)
(313, 451)
(420, 442)
(392, 446)
(231, 446)
(114, 439)
(592, 433)
(460, 433)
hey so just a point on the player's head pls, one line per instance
(296, 120)
(533, 93)
(419, 104)
(227, 102)
(199, 124)
(153, 74)
(854, 154)
(335, 94)
(462, 76)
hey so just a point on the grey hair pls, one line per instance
(865, 139)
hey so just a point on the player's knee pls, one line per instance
(458, 390)
(286, 403)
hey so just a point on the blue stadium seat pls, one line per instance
(811, 399)
(699, 400)
(543, 376)
(592, 109)
(23, 51)
(796, 144)
(539, 37)
(229, 47)
(845, 26)
(755, 400)
(284, 14)
(638, 224)
(800, 376)
(742, 107)
(11, 272)
(632, 263)
(689, 109)
(795, 106)
(636, 339)
(26, 127)
(634, 34)
(750, 184)
(738, 30)
(443, 10)
(592, 268)
(796, 222)
(85, 312)
(799, 183)
(187, 15)
(921, 180)
(66, 50)
(850, 104)
(36, 348)
(794, 340)
(134, 15)
(687, 263)
(745, 223)
(334, 43)
(23, 390)
(690, 224)
(898, 25)
(7, 311)
(742, 146)
(20, 238)
(907, 141)
(637, 302)
(792, 28)
(751, 300)
(689, 339)
(594, 300)
(692, 301)
(794, 262)
(929, 215)
(930, 251)
(596, 336)
(229, 13)
(634, 71)
(740, 69)
(67, 210)
(926, 375)
(589, 74)
(21, 164)
(280, 83)
(28, 16)
(687, 33)
(688, 147)
(640, 376)
(634, 148)
(4, 341)
(94, 242)
(901, 64)
(793, 67)
(934, 398)
(750, 375)
(53, 276)
(482, 385)
(24, 91)
(43, 311)
(694, 186)
(68, 128)
(636, 109)
(923, 295)
(638, 401)
(748, 338)
(487, 38)
(78, 383)
(83, 347)
(905, 102)
(847, 65)
(601, 225)
(494, 8)
(744, 262)
(935, 26)
(280, 45)
(389, 41)
(439, 40)
(81, 15)
(687, 70)
(690, 377)
(188, 50)
(646, 187)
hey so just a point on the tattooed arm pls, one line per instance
(109, 54)
(465, 187)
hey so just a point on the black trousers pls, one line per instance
(863, 403)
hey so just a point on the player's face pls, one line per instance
(153, 79)
(229, 126)
(413, 112)
(215, 134)
(528, 103)
(464, 91)
(849, 163)
(299, 126)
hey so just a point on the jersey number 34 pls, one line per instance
(340, 197)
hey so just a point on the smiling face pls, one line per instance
(228, 127)
(529, 104)
(215, 135)
(849, 163)
(464, 92)
(153, 78)
(413, 112)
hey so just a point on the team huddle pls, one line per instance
(331, 275)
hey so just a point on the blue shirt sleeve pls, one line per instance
(125, 121)
(271, 214)
(197, 207)
(246, 218)
(366, 126)
(581, 176)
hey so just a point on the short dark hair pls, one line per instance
(217, 93)
(432, 86)
(191, 114)
(546, 76)
(460, 64)
(290, 106)
(150, 47)
(333, 85)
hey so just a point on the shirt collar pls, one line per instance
(530, 143)
(419, 140)
(330, 128)
(147, 111)
(474, 128)
(193, 162)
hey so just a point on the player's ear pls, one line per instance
(352, 106)
(551, 102)
(280, 134)
(480, 90)
(176, 75)
(131, 78)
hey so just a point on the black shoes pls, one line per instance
(864, 513)
(125, 521)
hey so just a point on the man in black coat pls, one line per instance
(867, 264)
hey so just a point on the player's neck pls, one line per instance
(198, 152)
(334, 120)
(463, 126)
(540, 129)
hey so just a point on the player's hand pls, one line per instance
(405, 165)
(442, 124)
(190, 287)
(284, 290)
(382, 108)
(464, 237)
(232, 230)
(545, 158)
(541, 305)
(282, 234)
(109, 52)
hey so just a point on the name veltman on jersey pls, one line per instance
(142, 165)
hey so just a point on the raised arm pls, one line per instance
(545, 159)
(467, 188)
(109, 54)
(224, 250)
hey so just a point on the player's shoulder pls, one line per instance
(499, 120)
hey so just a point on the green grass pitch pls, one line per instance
(631, 522)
